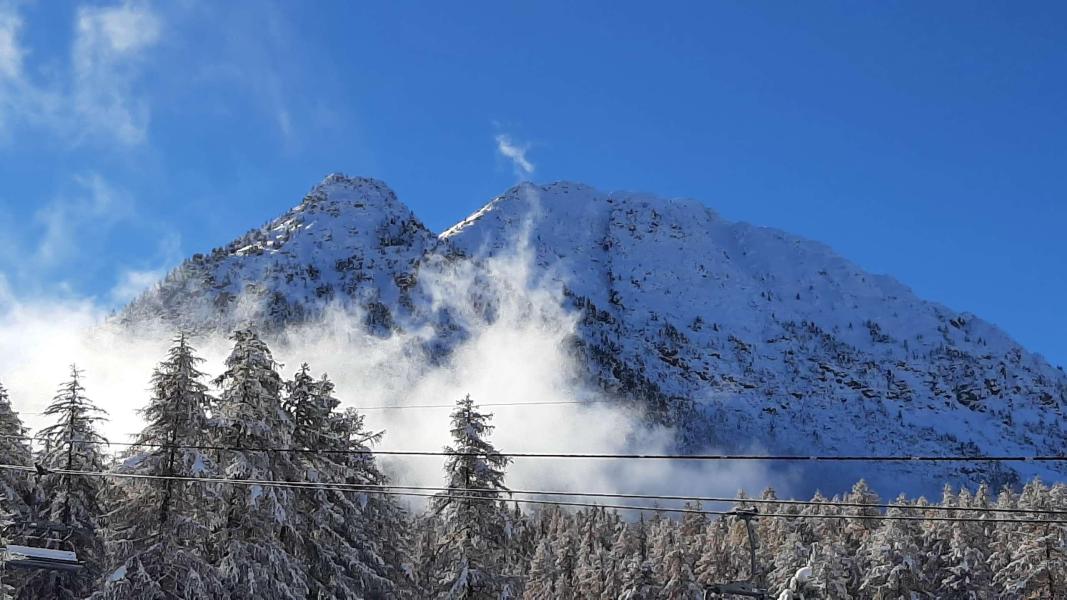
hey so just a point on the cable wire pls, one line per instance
(607, 456)
(453, 405)
(364, 489)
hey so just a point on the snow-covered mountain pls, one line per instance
(743, 337)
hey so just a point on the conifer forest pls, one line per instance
(254, 484)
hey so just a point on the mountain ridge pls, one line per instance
(735, 334)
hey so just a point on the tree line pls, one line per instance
(254, 486)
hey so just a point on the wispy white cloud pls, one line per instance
(96, 95)
(132, 282)
(108, 50)
(11, 52)
(516, 153)
(266, 59)
(66, 239)
(15, 98)
(68, 220)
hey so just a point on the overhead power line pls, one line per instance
(453, 405)
(605, 456)
(736, 500)
(379, 490)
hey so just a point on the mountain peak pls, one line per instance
(338, 188)
(734, 334)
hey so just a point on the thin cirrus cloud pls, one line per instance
(95, 95)
(62, 220)
(516, 153)
(68, 232)
(131, 282)
(10, 52)
(108, 51)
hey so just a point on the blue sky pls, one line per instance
(927, 140)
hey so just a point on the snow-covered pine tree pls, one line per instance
(956, 560)
(520, 546)
(258, 541)
(661, 541)
(310, 406)
(937, 537)
(855, 532)
(771, 535)
(589, 572)
(70, 503)
(792, 554)
(895, 557)
(1002, 541)
(858, 530)
(1039, 568)
(16, 487)
(639, 580)
(540, 584)
(474, 534)
(426, 560)
(158, 532)
(614, 562)
(351, 540)
(680, 584)
(713, 564)
(565, 551)
(834, 566)
(387, 523)
(7, 592)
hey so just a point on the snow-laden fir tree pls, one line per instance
(894, 555)
(540, 583)
(589, 572)
(639, 580)
(613, 563)
(565, 551)
(712, 565)
(937, 538)
(16, 487)
(70, 503)
(7, 591)
(966, 573)
(792, 554)
(475, 534)
(352, 541)
(1038, 568)
(426, 545)
(834, 570)
(680, 582)
(159, 530)
(1002, 540)
(258, 541)
(520, 546)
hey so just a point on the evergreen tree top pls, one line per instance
(250, 407)
(250, 359)
(470, 428)
(77, 415)
(177, 411)
(311, 405)
(11, 427)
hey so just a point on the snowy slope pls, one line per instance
(349, 241)
(743, 337)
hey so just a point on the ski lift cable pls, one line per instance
(724, 500)
(453, 405)
(364, 489)
(604, 456)
(421, 406)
